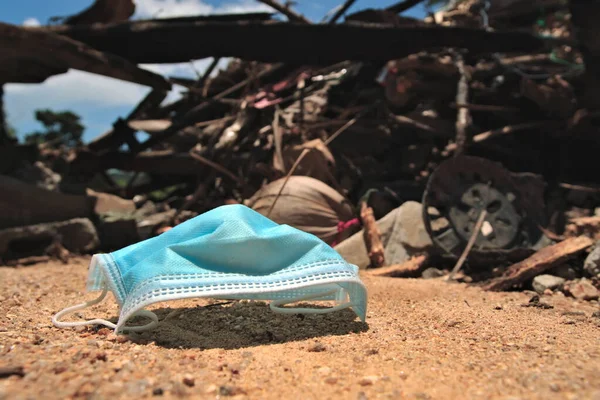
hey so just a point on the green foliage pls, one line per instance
(61, 128)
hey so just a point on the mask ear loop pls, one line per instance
(66, 324)
(275, 305)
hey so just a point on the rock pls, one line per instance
(317, 348)
(188, 380)
(324, 370)
(543, 282)
(367, 380)
(413, 236)
(582, 289)
(39, 175)
(591, 266)
(109, 203)
(229, 390)
(23, 204)
(117, 232)
(76, 235)
(403, 235)
(431, 273)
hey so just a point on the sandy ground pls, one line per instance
(424, 339)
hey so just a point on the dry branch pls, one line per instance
(407, 269)
(318, 44)
(372, 236)
(541, 261)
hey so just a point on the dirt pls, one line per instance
(423, 339)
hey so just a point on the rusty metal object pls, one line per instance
(461, 188)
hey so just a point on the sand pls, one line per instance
(423, 339)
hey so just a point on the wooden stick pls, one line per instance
(502, 131)
(292, 15)
(216, 166)
(407, 269)
(341, 11)
(372, 236)
(470, 244)
(463, 116)
(541, 261)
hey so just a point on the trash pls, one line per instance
(264, 261)
(309, 205)
(461, 141)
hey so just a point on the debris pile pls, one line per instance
(461, 144)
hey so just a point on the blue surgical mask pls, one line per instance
(231, 252)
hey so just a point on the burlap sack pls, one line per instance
(306, 204)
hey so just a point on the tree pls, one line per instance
(61, 128)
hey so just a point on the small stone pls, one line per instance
(371, 352)
(317, 347)
(331, 380)
(212, 388)
(157, 392)
(189, 380)
(229, 390)
(324, 370)
(362, 396)
(431, 273)
(596, 314)
(582, 290)
(367, 380)
(403, 375)
(498, 307)
(541, 283)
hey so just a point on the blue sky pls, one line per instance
(101, 100)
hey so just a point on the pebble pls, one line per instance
(317, 347)
(212, 388)
(331, 380)
(541, 283)
(157, 392)
(432, 273)
(189, 380)
(367, 380)
(324, 370)
(229, 390)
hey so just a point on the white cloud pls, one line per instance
(93, 95)
(68, 91)
(183, 8)
(31, 22)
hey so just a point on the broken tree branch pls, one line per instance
(408, 269)
(372, 236)
(481, 137)
(317, 44)
(347, 4)
(287, 11)
(541, 261)
(463, 116)
(470, 244)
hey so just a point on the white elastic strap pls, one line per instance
(64, 324)
(275, 305)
